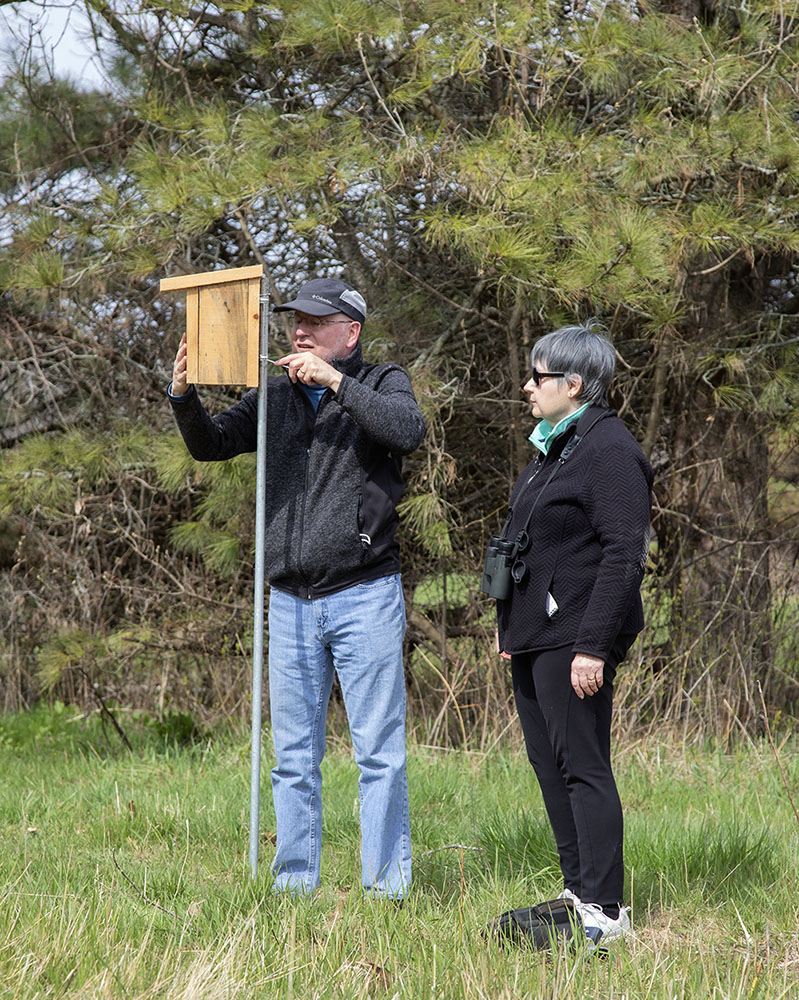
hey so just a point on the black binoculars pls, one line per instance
(498, 569)
(503, 567)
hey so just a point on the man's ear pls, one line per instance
(353, 332)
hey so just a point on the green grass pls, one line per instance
(125, 875)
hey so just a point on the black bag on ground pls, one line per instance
(540, 926)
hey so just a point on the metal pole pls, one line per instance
(258, 617)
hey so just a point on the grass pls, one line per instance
(125, 875)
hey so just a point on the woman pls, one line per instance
(579, 521)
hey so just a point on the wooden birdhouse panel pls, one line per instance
(222, 325)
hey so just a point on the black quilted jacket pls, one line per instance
(333, 477)
(589, 542)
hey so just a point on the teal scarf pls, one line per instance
(544, 433)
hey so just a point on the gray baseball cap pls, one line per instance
(323, 296)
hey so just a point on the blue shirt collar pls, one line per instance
(314, 393)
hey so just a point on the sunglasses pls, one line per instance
(537, 375)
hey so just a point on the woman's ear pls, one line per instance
(575, 385)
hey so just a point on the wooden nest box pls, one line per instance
(222, 324)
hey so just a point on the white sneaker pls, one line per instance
(600, 929)
(568, 894)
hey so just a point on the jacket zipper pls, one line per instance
(303, 577)
(300, 570)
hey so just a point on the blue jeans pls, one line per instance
(356, 632)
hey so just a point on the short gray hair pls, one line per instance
(580, 350)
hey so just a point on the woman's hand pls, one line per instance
(502, 653)
(587, 674)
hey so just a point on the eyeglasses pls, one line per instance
(312, 323)
(537, 375)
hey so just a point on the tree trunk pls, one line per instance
(714, 531)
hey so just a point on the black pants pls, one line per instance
(568, 744)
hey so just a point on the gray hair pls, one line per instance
(580, 350)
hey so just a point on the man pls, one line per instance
(336, 428)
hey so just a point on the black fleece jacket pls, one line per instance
(333, 477)
(589, 541)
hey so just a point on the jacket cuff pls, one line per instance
(343, 387)
(590, 652)
(181, 398)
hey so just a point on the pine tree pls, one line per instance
(485, 173)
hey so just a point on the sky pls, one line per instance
(59, 30)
